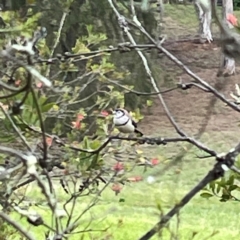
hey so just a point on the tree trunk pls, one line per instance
(205, 17)
(227, 64)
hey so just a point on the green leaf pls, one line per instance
(230, 180)
(218, 189)
(86, 142)
(149, 103)
(29, 100)
(206, 195)
(226, 196)
(212, 185)
(221, 183)
(47, 107)
(80, 47)
(159, 207)
(233, 187)
(223, 200)
(42, 100)
(95, 144)
(93, 164)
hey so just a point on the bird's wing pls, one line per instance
(134, 123)
(128, 115)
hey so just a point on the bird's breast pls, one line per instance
(121, 121)
(127, 128)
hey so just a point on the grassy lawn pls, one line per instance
(139, 212)
(177, 17)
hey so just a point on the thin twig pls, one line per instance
(17, 226)
(43, 161)
(57, 39)
(183, 86)
(15, 128)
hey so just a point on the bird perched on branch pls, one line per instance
(124, 122)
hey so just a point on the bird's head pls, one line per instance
(118, 112)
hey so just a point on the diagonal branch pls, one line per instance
(17, 226)
(57, 39)
(187, 70)
(224, 163)
(214, 174)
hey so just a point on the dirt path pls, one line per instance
(196, 111)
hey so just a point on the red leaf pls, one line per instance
(39, 85)
(155, 161)
(135, 179)
(80, 117)
(116, 188)
(49, 141)
(76, 125)
(118, 167)
(232, 19)
(17, 83)
(138, 178)
(104, 113)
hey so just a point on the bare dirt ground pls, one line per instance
(195, 111)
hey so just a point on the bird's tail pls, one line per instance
(138, 132)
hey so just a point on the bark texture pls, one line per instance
(227, 64)
(205, 17)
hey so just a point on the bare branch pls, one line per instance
(17, 226)
(224, 163)
(62, 21)
(15, 128)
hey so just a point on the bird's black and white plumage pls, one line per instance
(124, 122)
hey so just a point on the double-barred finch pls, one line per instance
(124, 122)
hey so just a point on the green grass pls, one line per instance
(183, 15)
(182, 19)
(132, 218)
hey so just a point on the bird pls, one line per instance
(124, 122)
